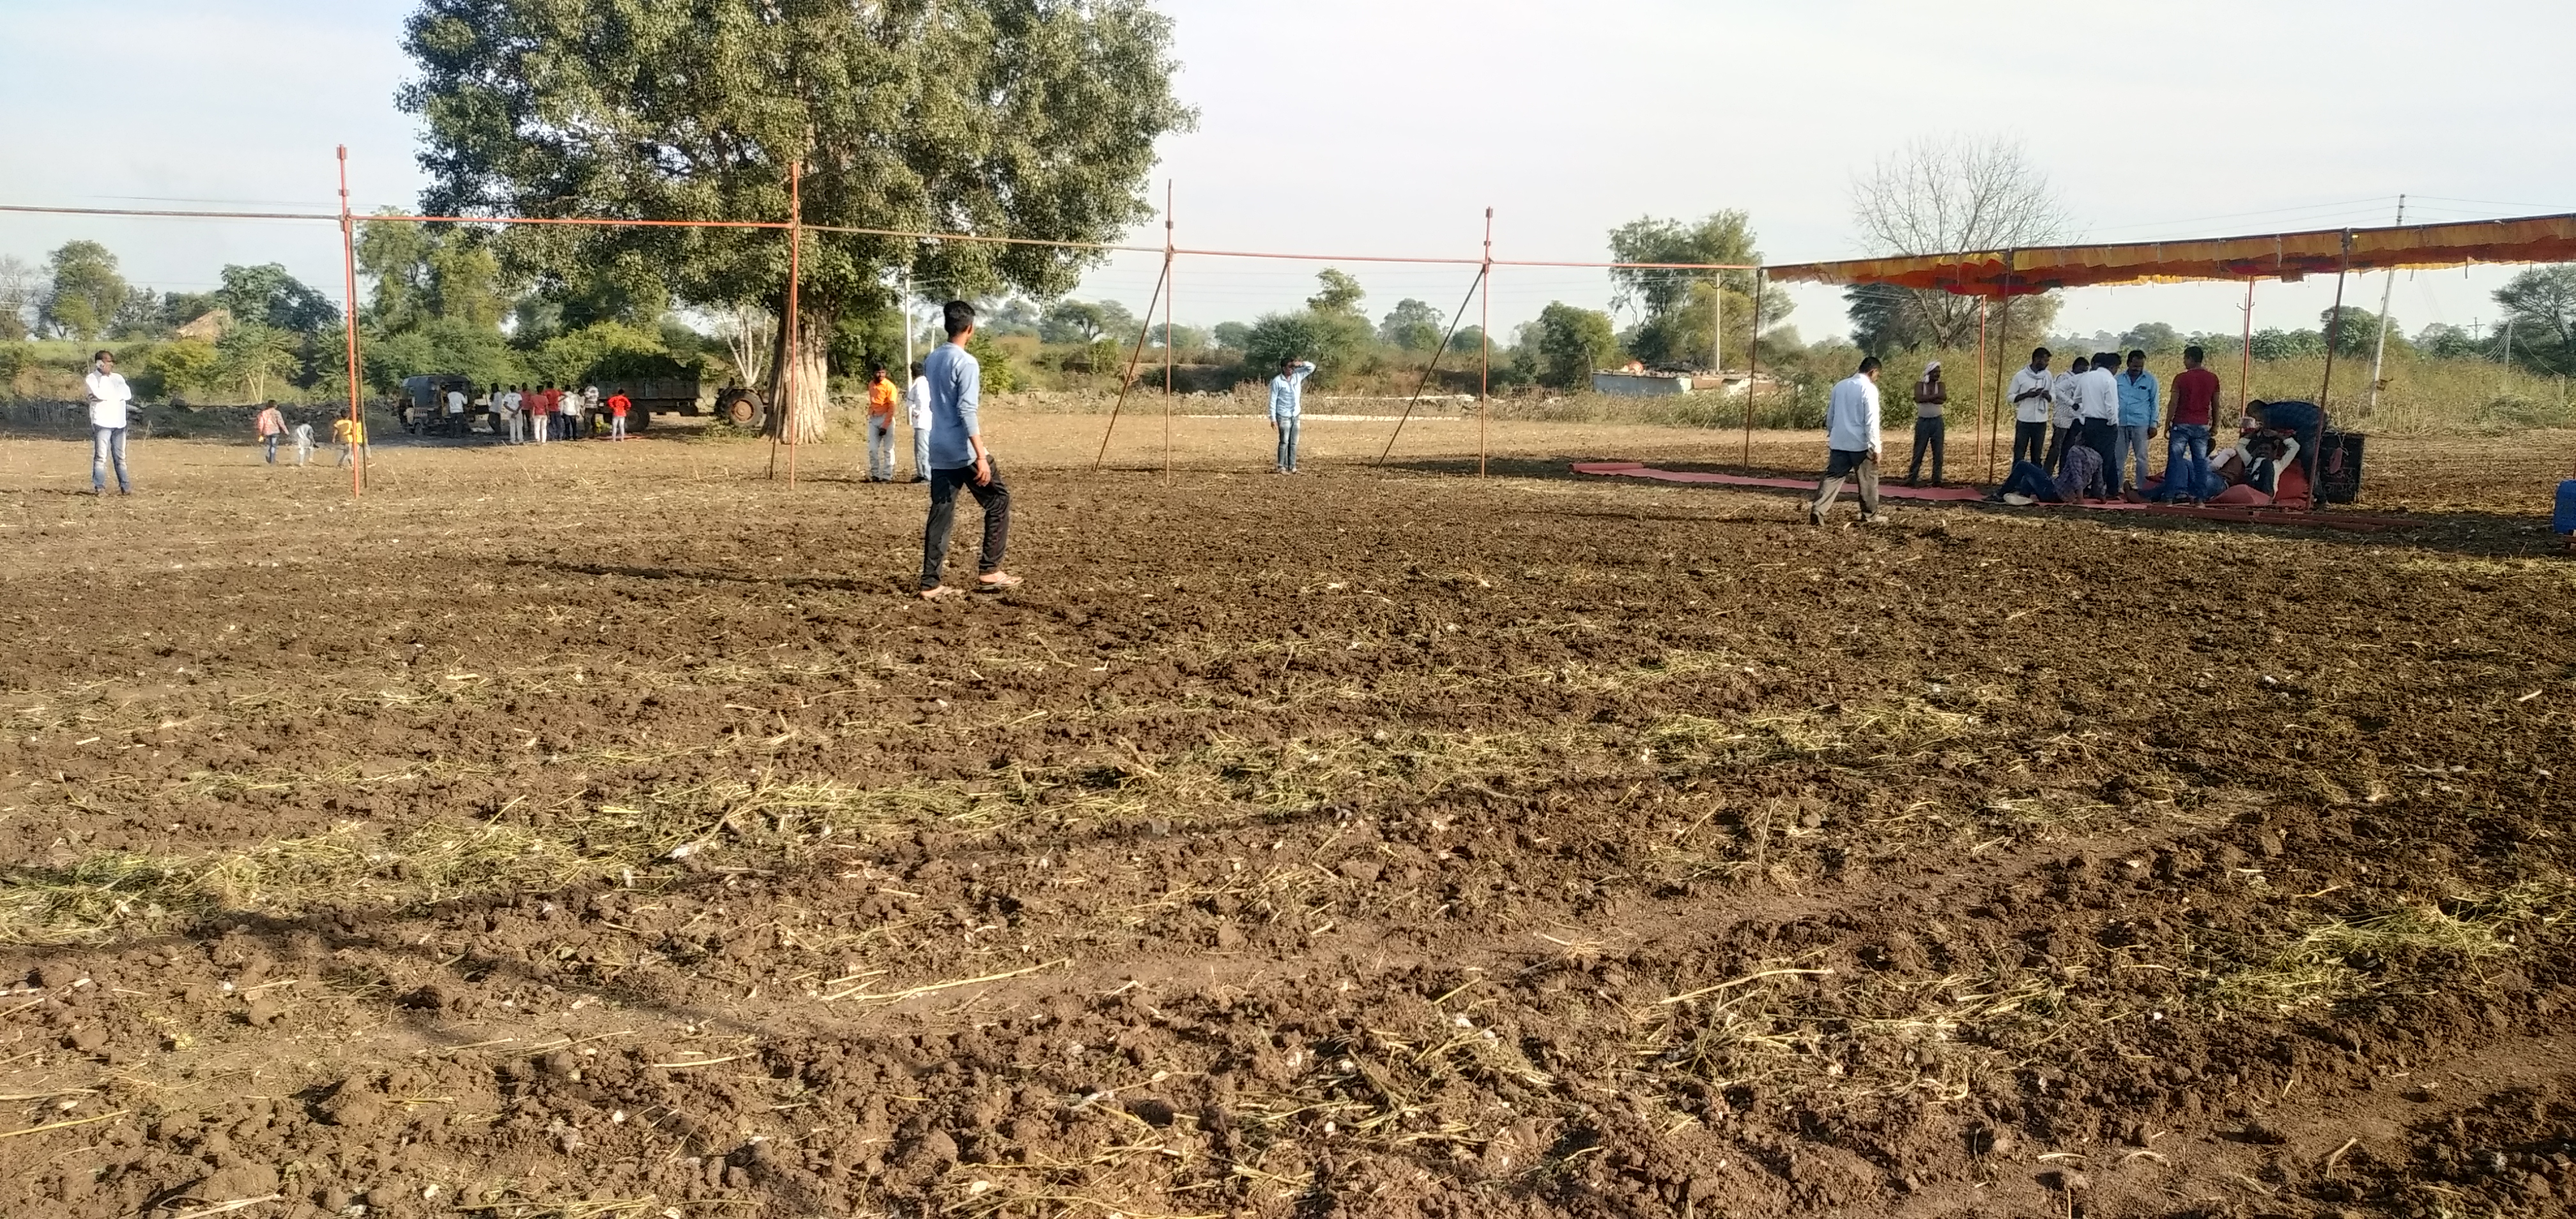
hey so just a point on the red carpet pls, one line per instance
(2258, 516)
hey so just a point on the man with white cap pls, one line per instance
(1930, 396)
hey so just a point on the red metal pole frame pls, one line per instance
(1752, 367)
(2245, 366)
(1485, 326)
(349, 294)
(1134, 359)
(1980, 385)
(1171, 277)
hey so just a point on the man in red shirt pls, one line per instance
(618, 404)
(2195, 403)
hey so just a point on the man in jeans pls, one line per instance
(1930, 429)
(1851, 440)
(271, 426)
(2097, 415)
(2029, 395)
(2137, 418)
(1288, 408)
(2195, 407)
(108, 397)
(958, 458)
(881, 399)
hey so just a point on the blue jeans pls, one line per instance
(1287, 443)
(2132, 446)
(2027, 478)
(2187, 462)
(271, 440)
(106, 442)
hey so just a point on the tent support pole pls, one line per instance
(1995, 422)
(1133, 359)
(1978, 386)
(1752, 368)
(2334, 322)
(2245, 366)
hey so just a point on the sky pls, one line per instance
(1357, 127)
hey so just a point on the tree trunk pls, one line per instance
(804, 418)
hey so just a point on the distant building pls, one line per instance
(1640, 384)
(210, 326)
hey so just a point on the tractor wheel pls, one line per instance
(742, 408)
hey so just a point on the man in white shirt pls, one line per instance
(2031, 397)
(590, 401)
(2062, 396)
(1851, 440)
(455, 411)
(568, 416)
(108, 398)
(2097, 413)
(511, 402)
(916, 407)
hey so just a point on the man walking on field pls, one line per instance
(271, 426)
(881, 400)
(1851, 438)
(958, 458)
(1287, 406)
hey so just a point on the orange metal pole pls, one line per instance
(1485, 377)
(795, 269)
(349, 294)
(1980, 384)
(1170, 277)
(1752, 368)
(2245, 366)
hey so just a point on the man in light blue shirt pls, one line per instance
(1851, 440)
(1287, 403)
(958, 458)
(2137, 418)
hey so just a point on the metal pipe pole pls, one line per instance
(1133, 359)
(1432, 367)
(1978, 386)
(1995, 421)
(787, 375)
(2379, 351)
(2334, 322)
(1171, 277)
(1485, 377)
(2245, 365)
(907, 329)
(349, 294)
(1752, 368)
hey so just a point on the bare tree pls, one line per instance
(751, 338)
(1953, 194)
(20, 280)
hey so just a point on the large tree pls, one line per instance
(1019, 118)
(2540, 307)
(86, 292)
(1943, 196)
(1676, 307)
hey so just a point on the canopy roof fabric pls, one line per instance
(2288, 256)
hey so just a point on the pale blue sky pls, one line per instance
(1388, 126)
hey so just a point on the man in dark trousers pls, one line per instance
(958, 458)
(1851, 444)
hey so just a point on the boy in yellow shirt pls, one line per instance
(351, 436)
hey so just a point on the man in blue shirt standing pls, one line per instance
(1851, 438)
(958, 458)
(2137, 419)
(1287, 403)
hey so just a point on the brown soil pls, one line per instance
(601, 830)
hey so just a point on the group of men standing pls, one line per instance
(2083, 433)
(527, 414)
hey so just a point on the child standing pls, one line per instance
(303, 443)
(351, 436)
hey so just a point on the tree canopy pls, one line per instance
(86, 291)
(1026, 118)
(2540, 307)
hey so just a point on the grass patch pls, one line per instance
(2410, 950)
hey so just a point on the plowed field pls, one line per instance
(601, 830)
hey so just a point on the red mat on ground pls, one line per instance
(1886, 490)
(2260, 515)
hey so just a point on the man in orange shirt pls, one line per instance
(881, 399)
(618, 404)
